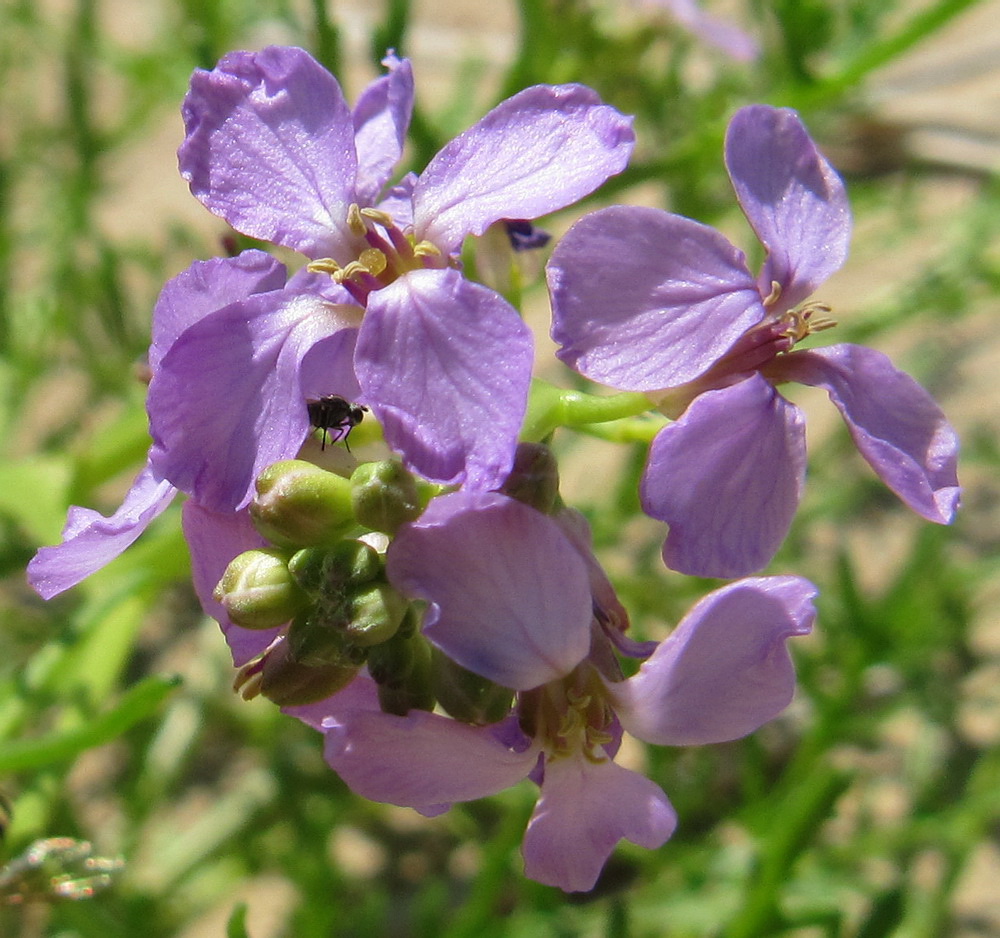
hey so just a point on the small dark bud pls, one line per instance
(534, 478)
(467, 696)
(385, 496)
(402, 669)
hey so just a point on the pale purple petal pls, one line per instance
(727, 477)
(895, 423)
(90, 540)
(381, 118)
(644, 300)
(541, 150)
(398, 201)
(446, 365)
(270, 148)
(510, 594)
(723, 35)
(227, 400)
(360, 694)
(584, 810)
(205, 287)
(725, 670)
(420, 760)
(214, 539)
(791, 196)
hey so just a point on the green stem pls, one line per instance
(550, 407)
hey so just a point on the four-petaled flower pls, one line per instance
(654, 302)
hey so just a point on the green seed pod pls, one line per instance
(325, 570)
(385, 495)
(289, 683)
(300, 505)
(534, 478)
(258, 592)
(467, 696)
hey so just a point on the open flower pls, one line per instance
(649, 301)
(273, 148)
(515, 600)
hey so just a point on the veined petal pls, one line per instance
(214, 539)
(90, 540)
(205, 287)
(510, 594)
(446, 366)
(895, 423)
(538, 151)
(421, 760)
(727, 477)
(644, 300)
(381, 118)
(725, 670)
(792, 197)
(227, 400)
(270, 148)
(584, 810)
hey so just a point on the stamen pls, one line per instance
(426, 249)
(801, 322)
(324, 265)
(774, 295)
(378, 216)
(355, 222)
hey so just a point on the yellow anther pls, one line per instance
(355, 222)
(804, 321)
(775, 293)
(351, 270)
(378, 216)
(426, 249)
(324, 265)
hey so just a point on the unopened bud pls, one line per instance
(374, 613)
(288, 682)
(404, 664)
(324, 570)
(467, 696)
(534, 478)
(299, 505)
(385, 495)
(258, 592)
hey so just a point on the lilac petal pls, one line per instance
(446, 365)
(510, 594)
(270, 148)
(227, 400)
(421, 760)
(214, 539)
(205, 287)
(727, 477)
(381, 118)
(895, 423)
(724, 671)
(656, 313)
(723, 35)
(90, 541)
(791, 196)
(584, 810)
(536, 152)
(360, 694)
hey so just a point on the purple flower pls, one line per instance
(90, 540)
(648, 301)
(516, 600)
(273, 148)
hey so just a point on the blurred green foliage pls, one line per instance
(855, 814)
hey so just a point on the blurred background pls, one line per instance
(871, 808)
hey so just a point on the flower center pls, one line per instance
(387, 255)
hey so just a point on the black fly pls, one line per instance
(336, 416)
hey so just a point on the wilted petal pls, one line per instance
(584, 810)
(381, 118)
(214, 539)
(421, 760)
(227, 400)
(727, 477)
(541, 150)
(270, 148)
(205, 287)
(510, 594)
(90, 540)
(724, 671)
(895, 423)
(791, 196)
(446, 365)
(644, 300)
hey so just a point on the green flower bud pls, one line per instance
(374, 613)
(467, 696)
(407, 675)
(385, 495)
(258, 592)
(534, 478)
(298, 504)
(324, 570)
(288, 682)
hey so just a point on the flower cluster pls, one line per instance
(428, 602)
